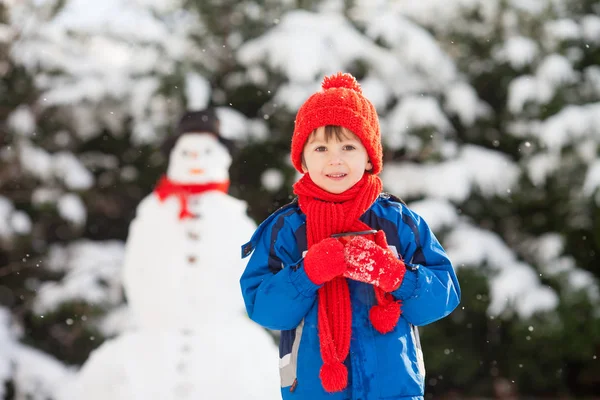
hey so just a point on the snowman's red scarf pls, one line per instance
(326, 214)
(166, 188)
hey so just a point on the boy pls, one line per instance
(345, 272)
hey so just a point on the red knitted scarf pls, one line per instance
(326, 214)
(166, 188)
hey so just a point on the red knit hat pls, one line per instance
(341, 103)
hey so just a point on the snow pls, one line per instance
(117, 321)
(552, 72)
(592, 179)
(592, 79)
(474, 168)
(590, 26)
(71, 208)
(111, 53)
(272, 179)
(513, 284)
(44, 195)
(36, 161)
(21, 223)
(556, 70)
(417, 48)
(428, 12)
(541, 166)
(305, 45)
(518, 287)
(6, 210)
(235, 126)
(92, 275)
(126, 19)
(197, 91)
(438, 213)
(570, 125)
(376, 91)
(548, 249)
(22, 121)
(34, 375)
(38, 376)
(361, 265)
(518, 51)
(70, 170)
(562, 30)
(414, 112)
(12, 222)
(62, 165)
(6, 33)
(6, 348)
(462, 100)
(292, 95)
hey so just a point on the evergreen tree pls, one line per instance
(536, 66)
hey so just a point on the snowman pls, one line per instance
(193, 339)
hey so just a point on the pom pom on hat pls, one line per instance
(341, 80)
(340, 103)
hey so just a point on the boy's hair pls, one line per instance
(329, 132)
(340, 103)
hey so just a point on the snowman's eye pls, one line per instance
(184, 153)
(207, 151)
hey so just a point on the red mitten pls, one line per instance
(373, 263)
(324, 261)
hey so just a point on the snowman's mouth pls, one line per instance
(196, 171)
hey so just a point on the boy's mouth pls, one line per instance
(336, 176)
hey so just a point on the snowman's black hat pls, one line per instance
(199, 121)
(202, 121)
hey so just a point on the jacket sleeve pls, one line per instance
(276, 290)
(430, 289)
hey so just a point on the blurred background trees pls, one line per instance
(490, 121)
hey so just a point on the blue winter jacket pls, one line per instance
(279, 296)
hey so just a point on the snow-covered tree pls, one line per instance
(536, 65)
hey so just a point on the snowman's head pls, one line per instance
(198, 158)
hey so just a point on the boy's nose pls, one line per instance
(335, 159)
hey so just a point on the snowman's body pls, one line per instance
(158, 365)
(181, 277)
(186, 273)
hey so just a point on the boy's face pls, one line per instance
(335, 165)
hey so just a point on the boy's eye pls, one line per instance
(349, 147)
(321, 148)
